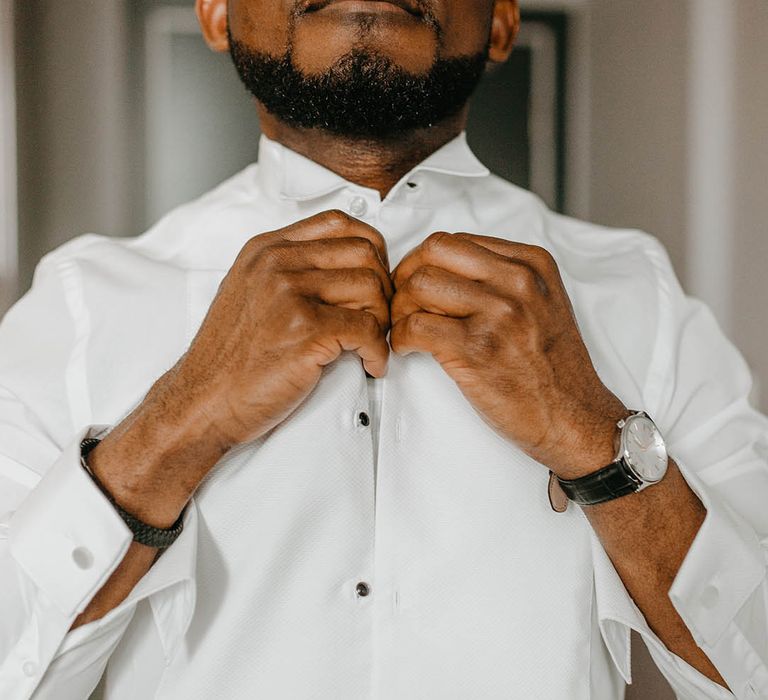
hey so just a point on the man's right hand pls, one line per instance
(293, 301)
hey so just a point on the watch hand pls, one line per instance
(642, 436)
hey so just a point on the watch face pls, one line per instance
(644, 448)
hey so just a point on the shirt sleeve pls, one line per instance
(698, 392)
(60, 539)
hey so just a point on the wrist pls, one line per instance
(641, 461)
(143, 533)
(592, 446)
(153, 461)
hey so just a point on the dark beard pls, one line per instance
(363, 95)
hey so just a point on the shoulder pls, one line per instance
(609, 254)
(167, 243)
(583, 249)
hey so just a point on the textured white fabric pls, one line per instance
(478, 590)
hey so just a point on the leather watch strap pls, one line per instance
(148, 535)
(558, 499)
(608, 483)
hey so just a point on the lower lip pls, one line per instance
(365, 6)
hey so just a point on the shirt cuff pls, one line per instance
(722, 569)
(170, 588)
(66, 536)
(618, 616)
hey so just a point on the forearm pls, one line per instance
(150, 465)
(136, 563)
(647, 536)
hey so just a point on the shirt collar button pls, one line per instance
(358, 206)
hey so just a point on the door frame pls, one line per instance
(578, 135)
(8, 165)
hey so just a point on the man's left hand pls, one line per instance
(496, 316)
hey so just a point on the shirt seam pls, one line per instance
(659, 370)
(76, 372)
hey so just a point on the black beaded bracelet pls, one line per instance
(159, 538)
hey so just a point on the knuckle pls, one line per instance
(420, 279)
(414, 325)
(250, 250)
(396, 339)
(252, 245)
(507, 310)
(371, 279)
(377, 236)
(365, 249)
(335, 217)
(435, 241)
(370, 324)
(543, 256)
(270, 257)
(301, 322)
(526, 280)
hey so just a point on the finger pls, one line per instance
(325, 225)
(356, 331)
(537, 258)
(540, 259)
(361, 289)
(439, 291)
(326, 254)
(460, 254)
(425, 332)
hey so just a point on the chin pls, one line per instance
(321, 40)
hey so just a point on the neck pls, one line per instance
(378, 165)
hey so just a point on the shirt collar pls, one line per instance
(294, 177)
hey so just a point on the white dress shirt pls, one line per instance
(477, 589)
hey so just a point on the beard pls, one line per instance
(363, 95)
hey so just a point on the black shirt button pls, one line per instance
(364, 418)
(362, 589)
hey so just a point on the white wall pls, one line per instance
(73, 104)
(638, 118)
(749, 258)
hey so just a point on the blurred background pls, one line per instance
(650, 114)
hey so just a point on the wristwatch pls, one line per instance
(641, 461)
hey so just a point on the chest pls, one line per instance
(445, 521)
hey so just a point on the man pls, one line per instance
(353, 481)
